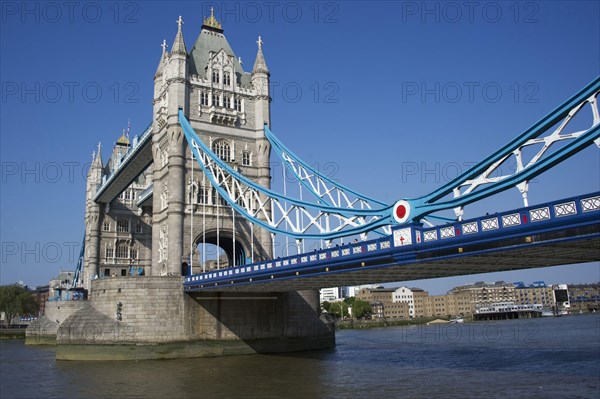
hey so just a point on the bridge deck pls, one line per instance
(558, 233)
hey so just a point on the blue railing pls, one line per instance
(410, 239)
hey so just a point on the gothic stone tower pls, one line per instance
(118, 234)
(227, 107)
(129, 317)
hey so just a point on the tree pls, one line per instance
(16, 300)
(361, 308)
(337, 308)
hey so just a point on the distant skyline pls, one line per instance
(392, 99)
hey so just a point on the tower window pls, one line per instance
(204, 98)
(215, 100)
(164, 196)
(222, 150)
(226, 78)
(122, 250)
(237, 104)
(110, 252)
(123, 226)
(203, 196)
(215, 76)
(106, 226)
(246, 158)
(227, 102)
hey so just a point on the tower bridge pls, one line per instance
(200, 175)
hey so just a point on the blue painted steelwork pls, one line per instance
(420, 207)
(471, 186)
(230, 185)
(290, 160)
(408, 242)
(77, 278)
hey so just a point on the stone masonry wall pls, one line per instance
(59, 311)
(152, 306)
(156, 314)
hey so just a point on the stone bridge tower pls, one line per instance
(138, 244)
(227, 107)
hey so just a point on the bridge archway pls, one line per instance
(221, 246)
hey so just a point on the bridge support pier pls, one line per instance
(152, 318)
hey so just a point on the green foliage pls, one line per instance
(337, 308)
(361, 308)
(16, 300)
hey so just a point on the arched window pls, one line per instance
(122, 250)
(222, 150)
(110, 252)
(164, 197)
(123, 225)
(217, 199)
(203, 195)
(215, 76)
(226, 78)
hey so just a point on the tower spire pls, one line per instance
(260, 65)
(179, 43)
(163, 57)
(96, 159)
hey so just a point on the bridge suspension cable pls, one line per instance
(273, 211)
(324, 189)
(481, 181)
(360, 214)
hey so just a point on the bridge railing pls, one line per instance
(410, 240)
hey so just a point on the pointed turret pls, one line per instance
(260, 66)
(260, 81)
(94, 176)
(95, 172)
(163, 60)
(179, 43)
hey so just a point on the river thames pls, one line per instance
(539, 358)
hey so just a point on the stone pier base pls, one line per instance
(152, 318)
(43, 330)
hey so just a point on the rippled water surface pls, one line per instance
(540, 358)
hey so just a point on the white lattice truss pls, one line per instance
(295, 218)
(543, 142)
(326, 192)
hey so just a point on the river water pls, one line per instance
(539, 358)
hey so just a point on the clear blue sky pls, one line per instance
(391, 98)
